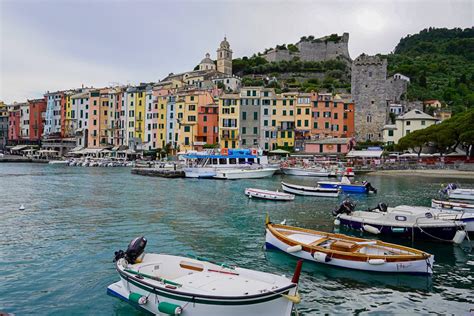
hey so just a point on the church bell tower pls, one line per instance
(224, 58)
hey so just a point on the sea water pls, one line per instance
(56, 255)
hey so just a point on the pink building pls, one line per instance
(14, 117)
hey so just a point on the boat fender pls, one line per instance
(459, 237)
(169, 308)
(371, 229)
(337, 222)
(293, 249)
(137, 298)
(376, 261)
(22, 207)
(321, 257)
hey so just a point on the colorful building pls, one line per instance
(406, 124)
(79, 126)
(53, 114)
(329, 146)
(332, 116)
(3, 125)
(229, 122)
(37, 109)
(283, 118)
(208, 125)
(14, 125)
(24, 121)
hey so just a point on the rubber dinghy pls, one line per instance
(172, 285)
(347, 252)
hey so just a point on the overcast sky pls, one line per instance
(60, 44)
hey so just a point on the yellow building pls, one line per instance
(161, 122)
(229, 112)
(69, 123)
(283, 118)
(140, 114)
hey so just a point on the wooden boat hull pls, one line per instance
(418, 265)
(309, 191)
(449, 205)
(269, 195)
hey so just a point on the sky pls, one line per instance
(49, 45)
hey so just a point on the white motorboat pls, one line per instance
(451, 205)
(58, 162)
(455, 193)
(346, 252)
(404, 222)
(171, 285)
(248, 173)
(306, 172)
(311, 191)
(268, 195)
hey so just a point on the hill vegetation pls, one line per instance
(440, 64)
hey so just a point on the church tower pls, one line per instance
(224, 58)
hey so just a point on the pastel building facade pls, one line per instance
(405, 124)
(37, 109)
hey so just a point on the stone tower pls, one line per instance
(224, 58)
(369, 91)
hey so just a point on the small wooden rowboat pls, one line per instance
(172, 285)
(268, 195)
(347, 252)
(312, 191)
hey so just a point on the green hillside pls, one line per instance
(440, 63)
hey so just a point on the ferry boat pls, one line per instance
(347, 252)
(404, 222)
(171, 285)
(207, 164)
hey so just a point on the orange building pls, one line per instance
(36, 118)
(98, 110)
(332, 116)
(208, 125)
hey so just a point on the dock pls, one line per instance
(157, 172)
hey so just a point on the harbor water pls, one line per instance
(56, 254)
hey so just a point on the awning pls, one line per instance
(19, 147)
(76, 148)
(365, 154)
(29, 150)
(44, 151)
(92, 150)
(279, 151)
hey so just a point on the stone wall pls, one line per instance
(319, 49)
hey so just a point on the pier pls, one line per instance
(155, 172)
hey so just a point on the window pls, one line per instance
(244, 116)
(191, 118)
(335, 104)
(204, 129)
(335, 116)
(408, 123)
(315, 125)
(345, 116)
(306, 123)
(186, 141)
(244, 130)
(255, 115)
(284, 112)
(345, 128)
(274, 112)
(265, 123)
(326, 125)
(291, 112)
(187, 129)
(265, 111)
(290, 134)
(298, 111)
(298, 123)
(307, 111)
(422, 122)
(255, 130)
(273, 122)
(390, 133)
(408, 131)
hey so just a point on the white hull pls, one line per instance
(418, 266)
(269, 195)
(462, 194)
(234, 174)
(199, 288)
(305, 172)
(58, 162)
(310, 191)
(203, 172)
(455, 206)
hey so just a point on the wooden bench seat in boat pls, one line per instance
(340, 245)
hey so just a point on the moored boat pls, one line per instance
(306, 172)
(58, 162)
(248, 173)
(347, 187)
(311, 191)
(268, 195)
(172, 285)
(451, 205)
(455, 193)
(347, 252)
(403, 223)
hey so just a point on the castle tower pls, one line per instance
(368, 88)
(224, 58)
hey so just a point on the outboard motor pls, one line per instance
(382, 207)
(346, 207)
(370, 188)
(134, 250)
